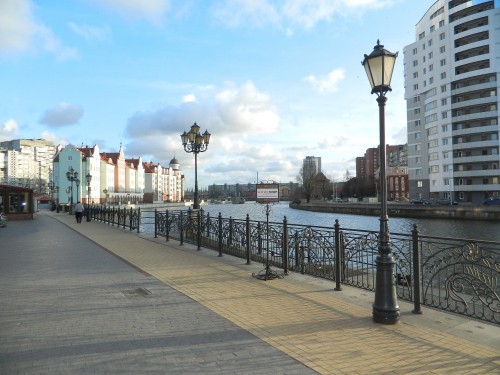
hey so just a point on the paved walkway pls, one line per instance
(70, 307)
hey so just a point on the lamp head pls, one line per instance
(379, 66)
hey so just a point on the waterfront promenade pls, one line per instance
(91, 298)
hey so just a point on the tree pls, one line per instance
(306, 181)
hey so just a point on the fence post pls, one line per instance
(416, 271)
(181, 227)
(296, 249)
(198, 230)
(113, 218)
(338, 275)
(220, 234)
(247, 235)
(285, 246)
(138, 220)
(156, 223)
(259, 239)
(208, 225)
(124, 217)
(230, 238)
(131, 218)
(167, 226)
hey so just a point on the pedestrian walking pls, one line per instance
(79, 212)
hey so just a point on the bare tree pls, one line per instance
(306, 181)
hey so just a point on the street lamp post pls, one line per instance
(72, 176)
(56, 189)
(88, 177)
(379, 66)
(51, 186)
(105, 191)
(77, 182)
(195, 142)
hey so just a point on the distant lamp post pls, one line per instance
(195, 142)
(105, 191)
(77, 182)
(88, 177)
(56, 190)
(72, 176)
(51, 186)
(379, 66)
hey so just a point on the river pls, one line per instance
(469, 229)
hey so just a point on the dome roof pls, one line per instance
(174, 161)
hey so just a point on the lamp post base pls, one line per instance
(385, 307)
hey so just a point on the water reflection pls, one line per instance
(470, 229)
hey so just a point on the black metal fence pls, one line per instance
(457, 275)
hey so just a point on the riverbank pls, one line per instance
(459, 212)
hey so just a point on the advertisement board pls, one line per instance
(268, 193)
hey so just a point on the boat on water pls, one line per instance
(238, 200)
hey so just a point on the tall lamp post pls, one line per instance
(105, 191)
(72, 176)
(88, 177)
(77, 182)
(51, 186)
(56, 190)
(195, 142)
(379, 66)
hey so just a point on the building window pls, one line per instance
(70, 157)
(431, 55)
(415, 62)
(431, 68)
(442, 36)
(444, 101)
(419, 183)
(416, 123)
(444, 115)
(415, 86)
(431, 80)
(429, 42)
(416, 111)
(443, 62)
(442, 49)
(415, 74)
(445, 141)
(432, 28)
(443, 75)
(421, 35)
(414, 51)
(443, 88)
(444, 128)
(441, 23)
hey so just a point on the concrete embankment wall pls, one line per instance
(464, 212)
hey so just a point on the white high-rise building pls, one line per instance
(451, 89)
(311, 166)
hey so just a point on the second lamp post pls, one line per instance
(379, 66)
(72, 176)
(195, 142)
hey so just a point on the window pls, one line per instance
(433, 156)
(442, 62)
(433, 143)
(444, 101)
(446, 181)
(415, 86)
(431, 80)
(445, 141)
(431, 67)
(415, 62)
(443, 75)
(416, 111)
(70, 157)
(434, 169)
(443, 88)
(414, 51)
(445, 155)
(429, 42)
(444, 115)
(423, 58)
(446, 168)
(421, 35)
(424, 71)
(431, 55)
(416, 123)
(419, 183)
(416, 99)
(444, 128)
(441, 23)
(432, 28)
(415, 75)
(442, 36)
(442, 49)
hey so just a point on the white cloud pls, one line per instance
(327, 83)
(151, 10)
(63, 114)
(287, 14)
(20, 33)
(89, 32)
(188, 98)
(8, 130)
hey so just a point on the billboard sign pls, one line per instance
(268, 193)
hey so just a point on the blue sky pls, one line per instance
(273, 81)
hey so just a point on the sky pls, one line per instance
(273, 81)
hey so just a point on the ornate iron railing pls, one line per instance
(457, 275)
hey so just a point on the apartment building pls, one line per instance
(311, 166)
(26, 163)
(451, 90)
